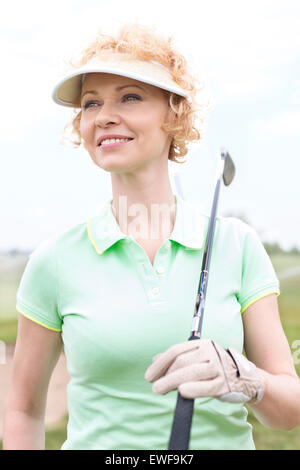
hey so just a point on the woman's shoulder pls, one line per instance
(60, 242)
(234, 224)
(224, 224)
(235, 234)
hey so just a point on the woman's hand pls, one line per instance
(201, 368)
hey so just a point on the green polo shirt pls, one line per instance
(116, 310)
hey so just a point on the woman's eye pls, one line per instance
(89, 104)
(133, 96)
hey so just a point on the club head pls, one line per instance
(229, 168)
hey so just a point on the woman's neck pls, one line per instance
(145, 216)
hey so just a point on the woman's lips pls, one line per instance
(115, 144)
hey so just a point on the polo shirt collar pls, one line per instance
(104, 231)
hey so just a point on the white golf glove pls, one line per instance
(201, 368)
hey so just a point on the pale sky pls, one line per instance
(247, 54)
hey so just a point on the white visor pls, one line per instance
(68, 89)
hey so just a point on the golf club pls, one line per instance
(181, 427)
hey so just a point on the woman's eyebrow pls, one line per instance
(94, 92)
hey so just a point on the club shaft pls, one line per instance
(183, 415)
(202, 287)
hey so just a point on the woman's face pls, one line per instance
(137, 111)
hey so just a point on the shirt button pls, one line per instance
(168, 245)
(155, 290)
(160, 270)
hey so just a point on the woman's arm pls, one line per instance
(267, 347)
(36, 354)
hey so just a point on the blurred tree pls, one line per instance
(294, 251)
(273, 248)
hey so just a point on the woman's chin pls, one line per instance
(113, 163)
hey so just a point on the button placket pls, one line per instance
(160, 270)
(155, 290)
(153, 277)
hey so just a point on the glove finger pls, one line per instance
(203, 388)
(201, 371)
(163, 362)
(154, 358)
(196, 356)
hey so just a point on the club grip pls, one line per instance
(182, 422)
(181, 428)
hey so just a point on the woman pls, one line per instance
(120, 289)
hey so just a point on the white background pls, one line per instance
(246, 52)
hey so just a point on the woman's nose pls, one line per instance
(107, 115)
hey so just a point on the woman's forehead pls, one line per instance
(107, 81)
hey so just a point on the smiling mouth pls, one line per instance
(114, 144)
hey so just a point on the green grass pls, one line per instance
(9, 282)
(8, 329)
(56, 435)
(282, 262)
(269, 439)
(289, 307)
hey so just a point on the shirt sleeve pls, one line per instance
(37, 294)
(258, 275)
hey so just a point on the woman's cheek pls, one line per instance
(84, 129)
(86, 135)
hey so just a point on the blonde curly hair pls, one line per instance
(143, 43)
